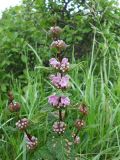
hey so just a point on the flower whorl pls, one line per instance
(59, 80)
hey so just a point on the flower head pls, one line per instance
(64, 82)
(62, 66)
(64, 101)
(60, 81)
(53, 100)
(14, 106)
(55, 31)
(83, 109)
(22, 124)
(59, 101)
(59, 127)
(59, 44)
(31, 142)
(54, 63)
(79, 124)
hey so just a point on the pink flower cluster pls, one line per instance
(63, 65)
(59, 102)
(60, 81)
(59, 44)
(31, 142)
(55, 30)
(59, 127)
(22, 124)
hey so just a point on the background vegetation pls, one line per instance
(92, 29)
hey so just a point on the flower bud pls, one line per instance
(59, 127)
(14, 106)
(31, 142)
(22, 124)
(79, 124)
(55, 31)
(83, 109)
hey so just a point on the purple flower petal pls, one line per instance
(65, 101)
(53, 100)
(64, 82)
(54, 63)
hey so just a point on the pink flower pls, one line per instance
(56, 79)
(22, 124)
(60, 81)
(53, 100)
(79, 124)
(64, 82)
(31, 142)
(59, 101)
(59, 127)
(59, 44)
(64, 61)
(63, 65)
(54, 63)
(65, 101)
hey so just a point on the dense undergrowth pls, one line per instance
(93, 33)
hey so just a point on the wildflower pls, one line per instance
(64, 101)
(59, 102)
(83, 109)
(56, 79)
(64, 82)
(22, 124)
(79, 124)
(55, 31)
(62, 66)
(54, 63)
(60, 81)
(59, 127)
(14, 106)
(31, 142)
(53, 100)
(59, 44)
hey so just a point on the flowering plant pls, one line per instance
(22, 124)
(60, 80)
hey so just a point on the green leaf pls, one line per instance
(39, 117)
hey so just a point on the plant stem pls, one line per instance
(60, 115)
